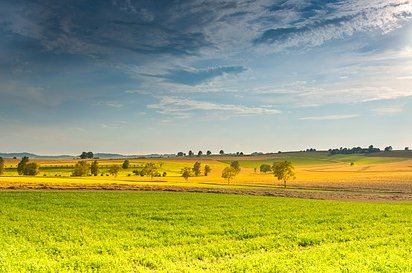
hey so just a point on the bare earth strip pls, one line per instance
(348, 195)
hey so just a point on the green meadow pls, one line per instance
(191, 232)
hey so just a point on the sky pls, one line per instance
(163, 76)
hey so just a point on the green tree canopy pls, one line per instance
(235, 165)
(186, 173)
(94, 168)
(196, 168)
(22, 164)
(31, 168)
(81, 168)
(284, 171)
(150, 169)
(229, 173)
(264, 168)
(207, 170)
(125, 164)
(114, 170)
(86, 155)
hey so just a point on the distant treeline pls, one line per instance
(355, 150)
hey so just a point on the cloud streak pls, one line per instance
(185, 107)
(329, 117)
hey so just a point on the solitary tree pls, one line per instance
(221, 152)
(235, 165)
(21, 165)
(180, 154)
(81, 168)
(208, 153)
(196, 168)
(264, 168)
(229, 173)
(284, 171)
(125, 164)
(388, 149)
(1, 165)
(207, 170)
(149, 169)
(94, 168)
(31, 168)
(191, 153)
(114, 170)
(186, 173)
(200, 153)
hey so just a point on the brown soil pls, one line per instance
(348, 195)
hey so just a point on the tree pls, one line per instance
(221, 152)
(191, 153)
(1, 165)
(22, 164)
(200, 153)
(235, 165)
(284, 171)
(208, 153)
(149, 169)
(180, 154)
(229, 173)
(125, 164)
(264, 168)
(31, 168)
(388, 149)
(406, 148)
(207, 170)
(186, 173)
(114, 170)
(81, 168)
(94, 168)
(86, 155)
(196, 168)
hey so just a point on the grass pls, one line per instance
(188, 232)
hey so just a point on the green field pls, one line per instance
(192, 232)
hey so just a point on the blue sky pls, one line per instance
(139, 77)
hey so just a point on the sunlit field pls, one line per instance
(383, 172)
(193, 232)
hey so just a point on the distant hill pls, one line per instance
(30, 155)
(97, 155)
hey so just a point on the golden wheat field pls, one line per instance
(314, 171)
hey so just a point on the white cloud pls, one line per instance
(329, 117)
(182, 107)
(390, 110)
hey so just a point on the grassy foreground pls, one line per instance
(192, 232)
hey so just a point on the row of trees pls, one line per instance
(24, 167)
(83, 168)
(355, 150)
(196, 170)
(284, 170)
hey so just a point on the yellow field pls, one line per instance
(313, 171)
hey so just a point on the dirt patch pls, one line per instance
(293, 193)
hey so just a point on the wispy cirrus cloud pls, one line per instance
(113, 104)
(335, 21)
(329, 117)
(185, 107)
(197, 76)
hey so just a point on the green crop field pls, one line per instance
(193, 232)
